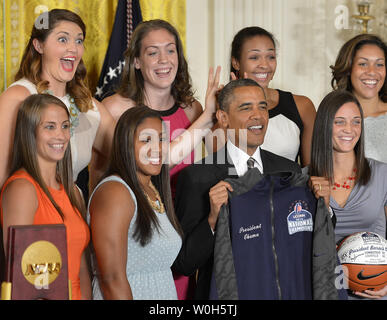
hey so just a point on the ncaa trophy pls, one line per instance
(36, 263)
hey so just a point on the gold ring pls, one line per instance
(319, 186)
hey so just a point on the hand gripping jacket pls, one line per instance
(274, 240)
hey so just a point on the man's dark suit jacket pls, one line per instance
(192, 207)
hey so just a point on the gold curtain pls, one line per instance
(17, 18)
(172, 11)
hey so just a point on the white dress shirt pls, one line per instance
(239, 158)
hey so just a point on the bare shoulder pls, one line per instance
(16, 90)
(101, 107)
(193, 111)
(16, 212)
(112, 199)
(20, 189)
(22, 186)
(116, 99)
(117, 105)
(12, 97)
(305, 107)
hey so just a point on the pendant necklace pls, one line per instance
(155, 204)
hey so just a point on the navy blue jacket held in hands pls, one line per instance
(274, 240)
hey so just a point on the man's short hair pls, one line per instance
(226, 94)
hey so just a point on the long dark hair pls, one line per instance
(24, 148)
(31, 63)
(241, 37)
(123, 164)
(341, 70)
(132, 82)
(322, 147)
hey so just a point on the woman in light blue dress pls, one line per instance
(135, 233)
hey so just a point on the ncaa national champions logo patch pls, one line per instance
(300, 219)
(371, 238)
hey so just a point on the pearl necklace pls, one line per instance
(155, 204)
(347, 183)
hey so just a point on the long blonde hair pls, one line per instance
(31, 64)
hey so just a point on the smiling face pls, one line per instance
(61, 52)
(150, 147)
(158, 60)
(52, 134)
(257, 59)
(368, 71)
(246, 119)
(347, 128)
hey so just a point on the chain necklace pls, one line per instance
(155, 204)
(347, 183)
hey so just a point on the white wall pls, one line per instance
(198, 36)
(307, 33)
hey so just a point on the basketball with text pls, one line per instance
(364, 257)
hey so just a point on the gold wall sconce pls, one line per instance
(363, 16)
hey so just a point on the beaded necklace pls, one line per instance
(74, 113)
(347, 183)
(155, 204)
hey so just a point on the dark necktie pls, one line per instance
(250, 163)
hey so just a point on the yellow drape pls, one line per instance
(172, 11)
(17, 18)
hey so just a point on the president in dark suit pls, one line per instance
(201, 191)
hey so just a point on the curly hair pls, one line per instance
(341, 70)
(132, 82)
(31, 63)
